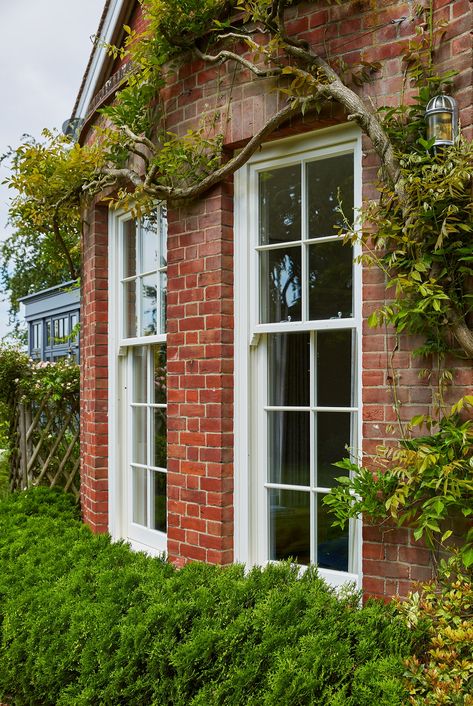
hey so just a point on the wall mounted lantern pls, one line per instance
(441, 116)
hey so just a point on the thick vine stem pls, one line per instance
(462, 333)
(169, 193)
(349, 100)
(225, 55)
(139, 139)
(332, 87)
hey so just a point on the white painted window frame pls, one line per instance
(249, 542)
(152, 542)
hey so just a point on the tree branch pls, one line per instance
(169, 193)
(60, 241)
(226, 55)
(139, 139)
(183, 194)
(354, 106)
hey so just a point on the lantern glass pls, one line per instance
(440, 127)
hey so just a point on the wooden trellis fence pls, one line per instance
(45, 448)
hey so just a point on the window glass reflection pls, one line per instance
(332, 542)
(160, 450)
(280, 205)
(140, 436)
(140, 496)
(148, 305)
(330, 281)
(159, 355)
(289, 525)
(129, 309)
(333, 436)
(158, 494)
(329, 188)
(335, 368)
(140, 374)
(281, 285)
(129, 249)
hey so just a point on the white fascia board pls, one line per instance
(99, 56)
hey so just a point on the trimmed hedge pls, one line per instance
(85, 621)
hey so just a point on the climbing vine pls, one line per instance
(425, 483)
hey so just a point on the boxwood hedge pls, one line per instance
(87, 621)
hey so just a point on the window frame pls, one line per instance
(250, 495)
(120, 358)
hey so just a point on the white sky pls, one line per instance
(44, 50)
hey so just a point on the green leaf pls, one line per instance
(373, 320)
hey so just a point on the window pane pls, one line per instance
(129, 249)
(139, 387)
(148, 305)
(334, 368)
(163, 283)
(332, 542)
(333, 434)
(289, 447)
(139, 443)
(140, 496)
(159, 354)
(129, 309)
(158, 494)
(280, 205)
(149, 245)
(288, 369)
(330, 281)
(163, 235)
(74, 323)
(329, 185)
(36, 337)
(160, 450)
(289, 525)
(281, 285)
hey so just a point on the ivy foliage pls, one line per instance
(423, 242)
(425, 483)
(175, 25)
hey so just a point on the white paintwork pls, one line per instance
(98, 57)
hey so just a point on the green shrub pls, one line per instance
(84, 621)
(442, 673)
(4, 473)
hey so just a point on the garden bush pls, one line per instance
(85, 621)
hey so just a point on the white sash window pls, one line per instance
(138, 380)
(297, 339)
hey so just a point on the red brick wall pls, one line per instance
(200, 380)
(200, 307)
(94, 370)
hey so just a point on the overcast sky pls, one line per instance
(44, 50)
